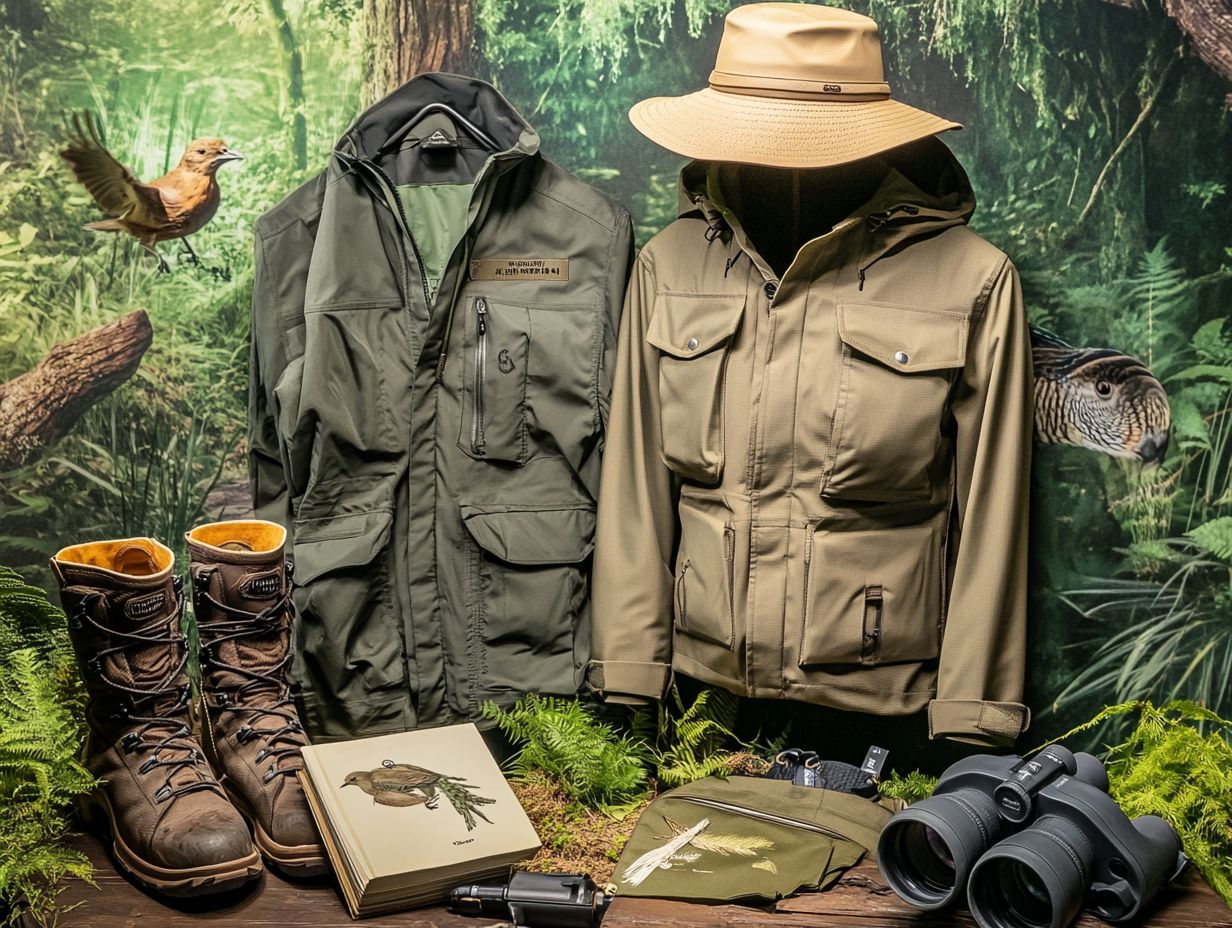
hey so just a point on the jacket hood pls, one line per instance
(476, 100)
(924, 189)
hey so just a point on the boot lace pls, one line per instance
(162, 735)
(282, 741)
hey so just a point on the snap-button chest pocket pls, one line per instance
(693, 334)
(497, 345)
(899, 364)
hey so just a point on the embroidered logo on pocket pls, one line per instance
(505, 361)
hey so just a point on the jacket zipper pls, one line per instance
(763, 816)
(481, 373)
(406, 230)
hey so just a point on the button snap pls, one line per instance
(901, 357)
(771, 288)
(691, 343)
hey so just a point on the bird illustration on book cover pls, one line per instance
(403, 785)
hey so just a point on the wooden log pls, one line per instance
(39, 407)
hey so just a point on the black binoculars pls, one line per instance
(1030, 841)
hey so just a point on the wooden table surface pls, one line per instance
(860, 900)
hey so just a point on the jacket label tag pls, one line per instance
(520, 269)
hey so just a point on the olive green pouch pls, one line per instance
(746, 839)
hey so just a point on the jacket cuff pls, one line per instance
(617, 681)
(977, 722)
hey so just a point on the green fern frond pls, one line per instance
(40, 739)
(696, 741)
(593, 763)
(909, 787)
(1214, 537)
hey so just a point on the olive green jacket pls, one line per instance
(815, 486)
(432, 338)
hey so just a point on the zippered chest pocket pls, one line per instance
(497, 348)
(529, 379)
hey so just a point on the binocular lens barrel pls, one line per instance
(1037, 878)
(926, 852)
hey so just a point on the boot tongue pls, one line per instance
(152, 613)
(255, 589)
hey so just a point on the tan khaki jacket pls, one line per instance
(815, 487)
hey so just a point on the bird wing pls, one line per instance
(113, 186)
(401, 778)
(1042, 338)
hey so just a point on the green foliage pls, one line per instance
(1214, 537)
(909, 787)
(1176, 763)
(692, 742)
(593, 763)
(40, 740)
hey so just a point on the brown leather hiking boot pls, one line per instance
(172, 827)
(242, 601)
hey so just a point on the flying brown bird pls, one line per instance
(174, 206)
(403, 785)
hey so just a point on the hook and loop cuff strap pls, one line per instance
(617, 681)
(976, 721)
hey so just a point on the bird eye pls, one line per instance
(1103, 388)
(201, 151)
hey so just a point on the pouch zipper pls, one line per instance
(763, 816)
(481, 373)
(729, 553)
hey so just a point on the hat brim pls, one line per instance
(714, 126)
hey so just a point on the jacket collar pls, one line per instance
(477, 100)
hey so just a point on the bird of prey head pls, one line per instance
(205, 156)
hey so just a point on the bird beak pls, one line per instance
(226, 156)
(1152, 448)
(348, 783)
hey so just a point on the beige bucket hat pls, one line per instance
(794, 85)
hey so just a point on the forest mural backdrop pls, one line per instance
(1097, 138)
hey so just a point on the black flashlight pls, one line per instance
(536, 900)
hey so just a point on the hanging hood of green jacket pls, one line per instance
(818, 475)
(433, 330)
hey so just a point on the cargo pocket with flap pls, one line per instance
(527, 594)
(347, 629)
(705, 566)
(873, 596)
(693, 334)
(899, 364)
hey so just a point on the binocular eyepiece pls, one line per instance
(1029, 841)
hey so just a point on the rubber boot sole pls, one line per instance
(298, 861)
(95, 808)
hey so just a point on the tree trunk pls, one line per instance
(295, 81)
(1208, 26)
(40, 406)
(409, 37)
